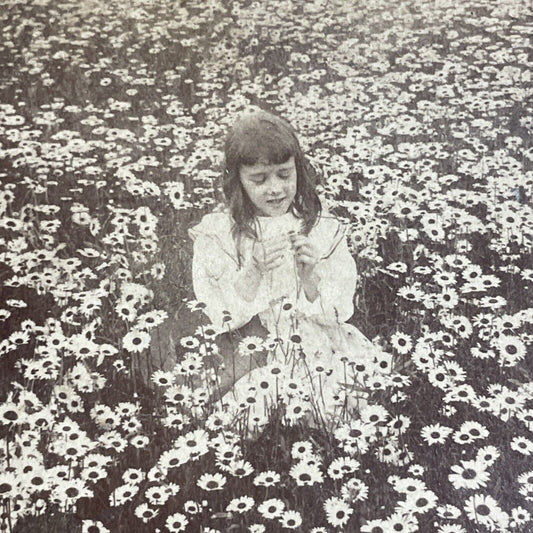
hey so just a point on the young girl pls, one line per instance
(276, 258)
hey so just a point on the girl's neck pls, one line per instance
(261, 216)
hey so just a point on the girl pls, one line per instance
(275, 259)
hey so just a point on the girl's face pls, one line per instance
(270, 187)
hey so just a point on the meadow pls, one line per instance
(417, 115)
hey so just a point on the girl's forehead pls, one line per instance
(266, 165)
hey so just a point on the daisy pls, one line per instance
(375, 526)
(372, 415)
(445, 279)
(291, 519)
(439, 377)
(451, 528)
(218, 420)
(435, 434)
(162, 378)
(271, 508)
(240, 505)
(145, 513)
(469, 432)
(93, 526)
(354, 490)
(302, 449)
(482, 352)
(460, 325)
(513, 400)
(123, 493)
(179, 395)
(522, 445)
(190, 342)
(411, 293)
(401, 342)
(10, 413)
(239, 468)
(408, 486)
(226, 453)
(136, 341)
(488, 281)
(296, 410)
(460, 393)
(511, 350)
(126, 311)
(267, 479)
(487, 455)
(211, 482)
(399, 424)
(420, 502)
(256, 528)
(397, 267)
(193, 444)
(176, 523)
(448, 298)
(342, 466)
(250, 345)
(157, 496)
(113, 440)
(93, 474)
(457, 261)
(519, 517)
(305, 474)
(139, 441)
(399, 381)
(151, 319)
(68, 492)
(192, 507)
(338, 512)
(133, 476)
(492, 302)
(173, 458)
(526, 416)
(484, 509)
(402, 523)
(448, 511)
(423, 270)
(469, 475)
(207, 333)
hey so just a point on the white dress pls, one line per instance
(318, 348)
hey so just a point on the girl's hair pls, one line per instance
(261, 137)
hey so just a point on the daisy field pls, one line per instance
(417, 115)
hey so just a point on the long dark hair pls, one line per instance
(259, 136)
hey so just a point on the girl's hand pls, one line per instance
(307, 255)
(268, 254)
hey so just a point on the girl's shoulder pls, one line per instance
(328, 233)
(328, 224)
(216, 224)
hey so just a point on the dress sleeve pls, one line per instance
(338, 280)
(214, 271)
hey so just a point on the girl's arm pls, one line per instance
(222, 286)
(335, 278)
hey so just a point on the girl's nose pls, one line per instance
(275, 184)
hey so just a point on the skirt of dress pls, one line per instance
(319, 375)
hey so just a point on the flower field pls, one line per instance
(417, 115)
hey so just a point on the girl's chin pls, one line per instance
(273, 211)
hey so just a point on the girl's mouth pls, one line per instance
(276, 202)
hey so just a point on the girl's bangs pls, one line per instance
(267, 146)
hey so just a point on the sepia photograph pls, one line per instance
(266, 266)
